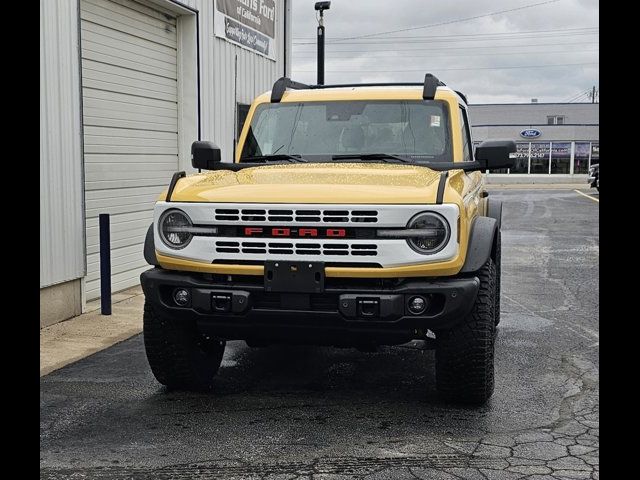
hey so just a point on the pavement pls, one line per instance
(324, 413)
(86, 334)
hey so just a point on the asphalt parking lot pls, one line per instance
(324, 413)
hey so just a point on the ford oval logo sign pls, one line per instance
(530, 133)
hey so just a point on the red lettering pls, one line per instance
(308, 232)
(251, 230)
(281, 232)
(336, 232)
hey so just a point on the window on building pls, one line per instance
(521, 162)
(581, 157)
(560, 157)
(540, 157)
(555, 120)
(466, 137)
(595, 153)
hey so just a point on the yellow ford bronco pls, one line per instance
(352, 215)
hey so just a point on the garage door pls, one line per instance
(130, 117)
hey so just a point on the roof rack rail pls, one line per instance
(281, 85)
(430, 84)
(463, 96)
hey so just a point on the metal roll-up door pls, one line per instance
(130, 120)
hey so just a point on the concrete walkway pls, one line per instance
(86, 334)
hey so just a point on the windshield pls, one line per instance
(415, 129)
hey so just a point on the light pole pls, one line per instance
(321, 7)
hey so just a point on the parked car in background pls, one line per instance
(594, 176)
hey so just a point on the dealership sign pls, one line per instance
(530, 133)
(248, 23)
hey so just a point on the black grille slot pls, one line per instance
(253, 212)
(227, 217)
(227, 250)
(307, 219)
(253, 218)
(254, 250)
(358, 246)
(364, 213)
(335, 246)
(280, 219)
(339, 213)
(227, 244)
(281, 251)
(314, 213)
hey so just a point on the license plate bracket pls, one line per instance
(293, 276)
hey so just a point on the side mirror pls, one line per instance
(494, 154)
(205, 155)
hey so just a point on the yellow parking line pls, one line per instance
(588, 196)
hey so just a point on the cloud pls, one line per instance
(481, 57)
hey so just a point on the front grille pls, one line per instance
(284, 216)
(299, 248)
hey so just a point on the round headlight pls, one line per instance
(436, 230)
(173, 226)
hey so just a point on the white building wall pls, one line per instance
(62, 239)
(61, 184)
(255, 75)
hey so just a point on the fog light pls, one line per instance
(417, 305)
(181, 296)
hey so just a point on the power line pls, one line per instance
(506, 67)
(563, 30)
(571, 52)
(450, 21)
(570, 99)
(527, 45)
(453, 38)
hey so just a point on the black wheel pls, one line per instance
(464, 354)
(178, 355)
(498, 264)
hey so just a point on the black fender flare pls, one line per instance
(481, 243)
(150, 248)
(494, 210)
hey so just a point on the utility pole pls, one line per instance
(593, 94)
(321, 7)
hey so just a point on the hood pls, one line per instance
(312, 183)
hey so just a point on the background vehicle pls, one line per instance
(352, 216)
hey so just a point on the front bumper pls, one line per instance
(350, 311)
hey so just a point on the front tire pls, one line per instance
(498, 266)
(465, 353)
(179, 356)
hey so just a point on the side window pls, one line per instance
(467, 155)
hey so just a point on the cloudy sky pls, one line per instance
(492, 50)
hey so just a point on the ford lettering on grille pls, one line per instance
(295, 232)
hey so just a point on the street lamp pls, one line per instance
(321, 7)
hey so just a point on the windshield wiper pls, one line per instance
(269, 158)
(372, 156)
